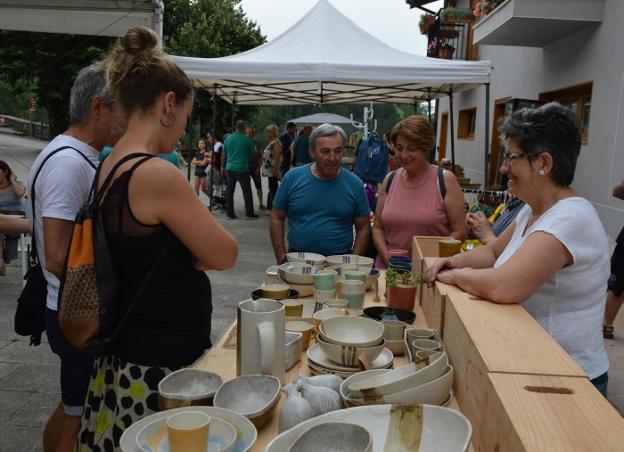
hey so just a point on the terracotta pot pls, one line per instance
(446, 54)
(401, 296)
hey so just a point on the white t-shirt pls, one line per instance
(62, 190)
(570, 305)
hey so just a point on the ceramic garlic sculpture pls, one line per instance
(327, 381)
(322, 399)
(295, 410)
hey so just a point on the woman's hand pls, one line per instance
(480, 227)
(448, 277)
(433, 272)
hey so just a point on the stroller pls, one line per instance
(215, 184)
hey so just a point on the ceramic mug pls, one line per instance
(353, 291)
(412, 334)
(336, 303)
(400, 265)
(305, 328)
(397, 252)
(325, 279)
(293, 308)
(426, 344)
(273, 291)
(355, 275)
(322, 296)
(393, 330)
(405, 259)
(188, 431)
(449, 247)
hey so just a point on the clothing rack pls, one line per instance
(480, 191)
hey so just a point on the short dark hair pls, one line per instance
(240, 125)
(291, 124)
(550, 128)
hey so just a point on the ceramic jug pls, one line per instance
(260, 338)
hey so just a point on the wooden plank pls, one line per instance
(423, 247)
(545, 413)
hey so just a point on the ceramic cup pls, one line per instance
(322, 296)
(188, 431)
(397, 252)
(404, 259)
(426, 344)
(393, 330)
(412, 334)
(353, 291)
(449, 247)
(272, 291)
(305, 328)
(325, 279)
(336, 303)
(355, 275)
(345, 268)
(293, 308)
(422, 357)
(271, 276)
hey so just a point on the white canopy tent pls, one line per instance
(322, 118)
(325, 58)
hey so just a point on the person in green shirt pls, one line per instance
(237, 150)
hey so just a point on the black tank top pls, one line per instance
(169, 325)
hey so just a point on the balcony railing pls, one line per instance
(448, 40)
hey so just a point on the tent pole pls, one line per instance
(190, 140)
(214, 109)
(487, 136)
(452, 128)
(233, 112)
(429, 103)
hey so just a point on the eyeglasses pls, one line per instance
(508, 157)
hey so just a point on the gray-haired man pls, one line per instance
(322, 202)
(61, 189)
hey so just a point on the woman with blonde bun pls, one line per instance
(146, 210)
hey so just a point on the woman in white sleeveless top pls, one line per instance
(554, 259)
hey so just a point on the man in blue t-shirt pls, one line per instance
(322, 202)
(286, 140)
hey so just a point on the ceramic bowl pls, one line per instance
(401, 379)
(352, 331)
(307, 258)
(340, 259)
(396, 347)
(434, 392)
(153, 437)
(297, 273)
(187, 387)
(346, 395)
(304, 290)
(334, 437)
(292, 352)
(253, 396)
(257, 294)
(340, 303)
(381, 313)
(349, 356)
(274, 291)
(323, 314)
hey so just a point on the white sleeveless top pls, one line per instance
(570, 305)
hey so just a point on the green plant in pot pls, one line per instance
(445, 50)
(426, 22)
(401, 288)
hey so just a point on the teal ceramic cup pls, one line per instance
(325, 279)
(355, 275)
(353, 291)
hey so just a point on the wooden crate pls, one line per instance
(547, 413)
(423, 247)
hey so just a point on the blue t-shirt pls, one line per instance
(320, 212)
(170, 157)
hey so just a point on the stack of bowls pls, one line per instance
(317, 260)
(298, 276)
(400, 263)
(345, 345)
(411, 384)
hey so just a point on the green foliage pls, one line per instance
(404, 280)
(14, 100)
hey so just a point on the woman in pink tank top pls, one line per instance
(413, 204)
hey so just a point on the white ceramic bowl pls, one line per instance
(334, 437)
(401, 379)
(346, 395)
(352, 331)
(253, 396)
(186, 387)
(307, 258)
(340, 259)
(297, 273)
(348, 356)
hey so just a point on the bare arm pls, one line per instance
(223, 159)
(480, 227)
(19, 189)
(379, 235)
(14, 225)
(618, 191)
(278, 217)
(454, 206)
(56, 238)
(277, 156)
(159, 193)
(362, 235)
(527, 269)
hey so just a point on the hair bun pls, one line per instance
(140, 40)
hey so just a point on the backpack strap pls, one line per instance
(390, 179)
(441, 182)
(96, 194)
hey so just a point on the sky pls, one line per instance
(391, 21)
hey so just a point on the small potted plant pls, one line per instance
(446, 50)
(432, 47)
(426, 22)
(401, 289)
(456, 15)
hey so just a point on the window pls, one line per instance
(578, 100)
(466, 123)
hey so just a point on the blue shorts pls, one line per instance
(76, 367)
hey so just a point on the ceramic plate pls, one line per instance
(318, 357)
(246, 433)
(153, 437)
(442, 429)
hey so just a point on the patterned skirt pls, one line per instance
(120, 393)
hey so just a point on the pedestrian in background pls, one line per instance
(615, 285)
(301, 147)
(237, 150)
(287, 139)
(201, 162)
(270, 162)
(255, 162)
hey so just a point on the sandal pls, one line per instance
(607, 332)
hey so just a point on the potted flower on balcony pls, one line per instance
(456, 15)
(427, 21)
(401, 289)
(446, 50)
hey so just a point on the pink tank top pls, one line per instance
(413, 210)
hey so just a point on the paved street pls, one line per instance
(29, 388)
